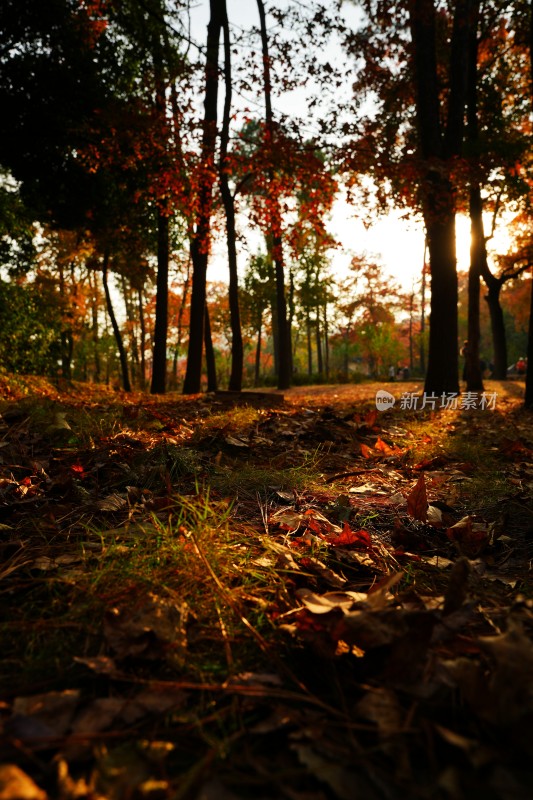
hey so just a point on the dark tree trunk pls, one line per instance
(116, 330)
(309, 345)
(159, 366)
(257, 375)
(237, 351)
(284, 334)
(474, 377)
(326, 340)
(528, 399)
(200, 240)
(478, 253)
(422, 352)
(94, 325)
(443, 364)
(210, 355)
(438, 146)
(143, 337)
(319, 358)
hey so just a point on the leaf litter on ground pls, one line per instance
(303, 600)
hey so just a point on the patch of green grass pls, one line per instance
(192, 572)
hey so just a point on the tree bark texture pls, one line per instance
(159, 366)
(284, 360)
(237, 350)
(200, 240)
(438, 144)
(116, 330)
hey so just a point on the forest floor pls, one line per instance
(294, 597)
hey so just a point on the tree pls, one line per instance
(201, 237)
(237, 351)
(284, 349)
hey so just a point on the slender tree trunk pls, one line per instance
(200, 240)
(116, 330)
(94, 324)
(210, 355)
(159, 364)
(319, 358)
(528, 399)
(257, 375)
(326, 340)
(497, 325)
(474, 378)
(309, 345)
(159, 358)
(237, 350)
(143, 337)
(478, 254)
(422, 352)
(284, 335)
(131, 317)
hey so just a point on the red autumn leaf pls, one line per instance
(470, 537)
(431, 463)
(383, 447)
(371, 418)
(366, 451)
(417, 501)
(349, 538)
(386, 449)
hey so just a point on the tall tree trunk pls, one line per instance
(422, 351)
(326, 340)
(309, 345)
(116, 330)
(257, 375)
(237, 350)
(94, 324)
(319, 358)
(159, 359)
(438, 146)
(284, 335)
(210, 355)
(143, 337)
(131, 317)
(497, 324)
(478, 253)
(201, 236)
(528, 399)
(159, 365)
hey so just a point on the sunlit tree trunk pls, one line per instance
(210, 355)
(438, 147)
(116, 330)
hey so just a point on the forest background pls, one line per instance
(132, 151)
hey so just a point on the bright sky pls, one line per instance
(395, 242)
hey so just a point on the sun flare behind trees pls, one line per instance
(133, 151)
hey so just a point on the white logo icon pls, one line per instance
(384, 400)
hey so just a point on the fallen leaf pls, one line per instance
(471, 538)
(16, 785)
(417, 502)
(323, 604)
